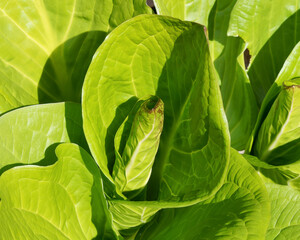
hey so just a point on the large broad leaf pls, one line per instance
(290, 70)
(239, 210)
(196, 11)
(238, 98)
(47, 46)
(249, 19)
(285, 209)
(271, 30)
(227, 52)
(26, 133)
(61, 201)
(155, 55)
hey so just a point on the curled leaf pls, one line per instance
(132, 171)
(278, 139)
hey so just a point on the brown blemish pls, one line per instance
(150, 102)
(292, 86)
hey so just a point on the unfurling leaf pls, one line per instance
(132, 171)
(278, 140)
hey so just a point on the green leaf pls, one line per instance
(295, 183)
(285, 209)
(288, 71)
(28, 134)
(238, 98)
(132, 171)
(127, 216)
(270, 173)
(47, 46)
(162, 56)
(255, 162)
(196, 11)
(270, 30)
(239, 210)
(283, 167)
(277, 175)
(61, 201)
(254, 15)
(278, 140)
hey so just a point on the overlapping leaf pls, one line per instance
(289, 71)
(238, 98)
(270, 173)
(271, 31)
(278, 140)
(237, 95)
(248, 15)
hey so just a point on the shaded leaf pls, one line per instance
(227, 53)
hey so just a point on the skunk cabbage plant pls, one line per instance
(121, 124)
